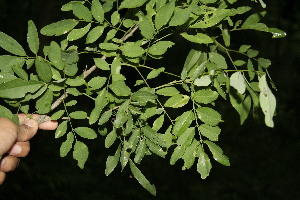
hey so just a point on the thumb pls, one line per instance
(27, 130)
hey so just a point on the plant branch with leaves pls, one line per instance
(136, 117)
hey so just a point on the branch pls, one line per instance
(86, 73)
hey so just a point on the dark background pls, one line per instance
(264, 162)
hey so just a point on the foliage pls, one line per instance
(140, 119)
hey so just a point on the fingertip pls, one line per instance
(50, 125)
(2, 177)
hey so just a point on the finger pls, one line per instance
(2, 177)
(20, 149)
(8, 134)
(27, 130)
(9, 163)
(50, 125)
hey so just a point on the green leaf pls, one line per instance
(134, 139)
(110, 138)
(239, 63)
(211, 132)
(140, 151)
(125, 153)
(100, 102)
(277, 33)
(168, 91)
(115, 18)
(66, 146)
(80, 153)
(141, 178)
(110, 35)
(155, 72)
(5, 77)
(76, 34)
(79, 10)
(190, 154)
(160, 48)
(57, 115)
(177, 154)
(190, 61)
(182, 123)
(205, 96)
(131, 50)
(158, 123)
(180, 16)
(218, 59)
(61, 129)
(78, 115)
(237, 81)
(177, 101)
(164, 15)
(265, 63)
(18, 88)
(43, 105)
(209, 116)
(112, 162)
(252, 53)
(217, 153)
(203, 165)
(101, 64)
(109, 46)
(244, 48)
(32, 37)
(59, 28)
(78, 81)
(97, 11)
(105, 117)
(156, 149)
(186, 138)
(20, 72)
(203, 81)
(251, 70)
(241, 104)
(6, 113)
(11, 45)
(97, 82)
(143, 96)
(153, 136)
(121, 116)
(7, 61)
(146, 27)
(55, 56)
(70, 56)
(86, 132)
(43, 69)
(120, 88)
(94, 34)
(199, 38)
(132, 3)
(267, 101)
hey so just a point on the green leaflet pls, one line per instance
(18, 88)
(67, 145)
(78, 81)
(180, 16)
(43, 69)
(267, 101)
(164, 14)
(134, 139)
(59, 28)
(61, 129)
(205, 96)
(146, 27)
(110, 138)
(203, 165)
(78, 115)
(125, 153)
(141, 178)
(80, 153)
(208, 116)
(189, 155)
(160, 48)
(115, 18)
(217, 153)
(86, 132)
(158, 123)
(97, 82)
(11, 45)
(100, 103)
(140, 151)
(94, 34)
(211, 132)
(199, 38)
(218, 59)
(120, 88)
(153, 136)
(79, 10)
(203, 81)
(101, 64)
(57, 115)
(20, 72)
(112, 162)
(132, 3)
(32, 37)
(237, 81)
(55, 56)
(156, 149)
(6, 113)
(76, 34)
(131, 50)
(241, 104)
(105, 117)
(143, 96)
(168, 91)
(5, 77)
(182, 123)
(97, 11)
(43, 104)
(190, 61)
(121, 116)
(177, 101)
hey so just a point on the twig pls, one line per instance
(86, 73)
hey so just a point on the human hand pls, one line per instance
(14, 140)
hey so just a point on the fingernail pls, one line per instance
(31, 123)
(16, 150)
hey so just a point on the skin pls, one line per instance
(14, 140)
